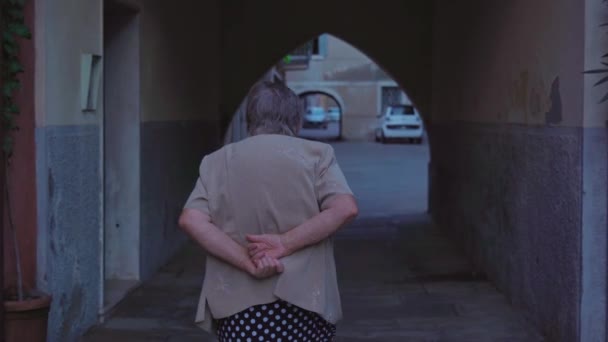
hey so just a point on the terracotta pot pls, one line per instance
(26, 320)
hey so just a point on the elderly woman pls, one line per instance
(265, 210)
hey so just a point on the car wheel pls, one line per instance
(383, 138)
(419, 141)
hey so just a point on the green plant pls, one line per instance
(602, 71)
(12, 28)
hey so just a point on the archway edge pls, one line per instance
(266, 31)
(406, 86)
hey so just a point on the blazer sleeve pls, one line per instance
(199, 197)
(330, 179)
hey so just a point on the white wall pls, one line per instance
(122, 147)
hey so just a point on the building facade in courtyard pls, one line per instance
(359, 85)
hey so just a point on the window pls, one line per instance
(402, 110)
(315, 46)
(319, 47)
(391, 95)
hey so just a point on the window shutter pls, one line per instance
(323, 45)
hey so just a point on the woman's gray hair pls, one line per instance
(273, 108)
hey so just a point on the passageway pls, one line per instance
(516, 168)
(400, 278)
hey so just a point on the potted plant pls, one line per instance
(25, 311)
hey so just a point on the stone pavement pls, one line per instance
(388, 180)
(400, 280)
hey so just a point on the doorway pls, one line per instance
(121, 141)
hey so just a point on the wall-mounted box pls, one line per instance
(90, 79)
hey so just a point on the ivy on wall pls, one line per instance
(602, 71)
(12, 28)
(604, 60)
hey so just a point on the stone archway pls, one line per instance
(335, 96)
(410, 68)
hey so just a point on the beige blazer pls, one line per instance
(268, 184)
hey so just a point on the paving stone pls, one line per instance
(106, 335)
(191, 338)
(134, 324)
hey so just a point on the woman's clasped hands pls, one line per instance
(265, 252)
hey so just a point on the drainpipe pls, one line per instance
(2, 171)
(2, 132)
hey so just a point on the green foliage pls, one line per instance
(602, 72)
(12, 29)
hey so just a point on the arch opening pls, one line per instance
(352, 95)
(414, 80)
(323, 110)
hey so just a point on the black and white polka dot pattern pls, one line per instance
(275, 322)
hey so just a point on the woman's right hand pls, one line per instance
(266, 267)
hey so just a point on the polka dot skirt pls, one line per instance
(275, 322)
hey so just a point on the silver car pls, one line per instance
(315, 117)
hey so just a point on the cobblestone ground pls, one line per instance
(400, 280)
(332, 132)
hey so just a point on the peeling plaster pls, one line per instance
(554, 115)
(528, 95)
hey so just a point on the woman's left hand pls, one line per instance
(266, 245)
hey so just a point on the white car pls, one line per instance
(334, 114)
(315, 117)
(400, 122)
